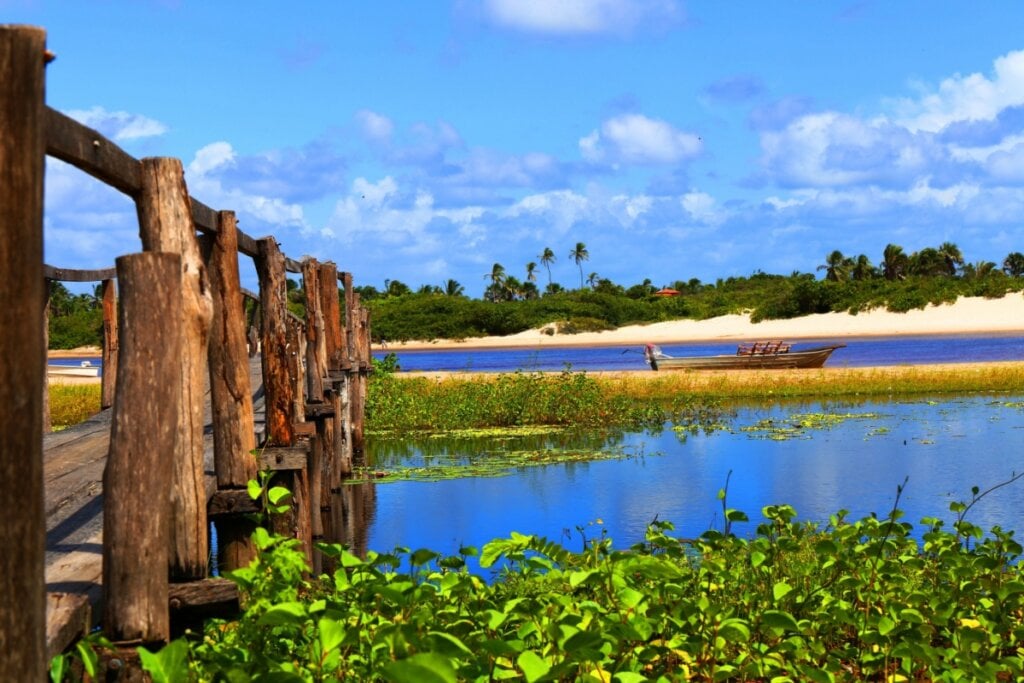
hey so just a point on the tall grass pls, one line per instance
(73, 403)
(823, 383)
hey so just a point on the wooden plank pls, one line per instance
(136, 499)
(68, 618)
(110, 343)
(165, 224)
(203, 217)
(195, 594)
(87, 150)
(22, 354)
(232, 502)
(73, 275)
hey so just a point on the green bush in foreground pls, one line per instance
(844, 602)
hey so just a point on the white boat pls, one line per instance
(83, 369)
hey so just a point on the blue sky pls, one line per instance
(422, 141)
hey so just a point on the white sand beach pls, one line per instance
(969, 315)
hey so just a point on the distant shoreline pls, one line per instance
(968, 316)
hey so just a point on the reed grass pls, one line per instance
(73, 403)
(823, 383)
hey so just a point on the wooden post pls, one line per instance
(22, 354)
(165, 224)
(331, 434)
(316, 370)
(110, 344)
(276, 385)
(136, 498)
(47, 421)
(230, 389)
(361, 363)
(234, 436)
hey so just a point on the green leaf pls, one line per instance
(283, 614)
(734, 630)
(90, 660)
(277, 493)
(757, 558)
(254, 488)
(57, 666)
(422, 556)
(736, 516)
(169, 665)
(448, 645)
(778, 619)
(629, 677)
(425, 667)
(576, 578)
(886, 625)
(331, 633)
(534, 668)
(780, 590)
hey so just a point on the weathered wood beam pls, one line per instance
(87, 150)
(136, 498)
(22, 355)
(276, 383)
(165, 224)
(73, 275)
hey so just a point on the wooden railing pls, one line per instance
(179, 325)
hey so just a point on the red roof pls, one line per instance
(668, 291)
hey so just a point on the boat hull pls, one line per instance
(808, 358)
(72, 371)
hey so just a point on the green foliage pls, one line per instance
(73, 403)
(406, 404)
(860, 600)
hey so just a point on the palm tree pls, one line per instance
(453, 288)
(837, 267)
(531, 272)
(894, 262)
(979, 270)
(579, 255)
(951, 254)
(928, 263)
(592, 280)
(497, 278)
(1013, 264)
(547, 257)
(862, 268)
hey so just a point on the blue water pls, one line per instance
(858, 353)
(944, 448)
(76, 361)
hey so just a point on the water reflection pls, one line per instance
(944, 447)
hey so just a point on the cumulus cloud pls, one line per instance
(974, 97)
(375, 127)
(637, 139)
(582, 17)
(118, 125)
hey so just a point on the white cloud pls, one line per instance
(637, 139)
(703, 208)
(966, 98)
(118, 125)
(216, 155)
(582, 17)
(374, 126)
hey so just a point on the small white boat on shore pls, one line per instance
(83, 369)
(755, 356)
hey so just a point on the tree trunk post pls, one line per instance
(47, 418)
(110, 344)
(165, 225)
(276, 384)
(330, 430)
(234, 436)
(22, 355)
(361, 364)
(316, 370)
(136, 497)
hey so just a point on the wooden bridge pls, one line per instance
(110, 518)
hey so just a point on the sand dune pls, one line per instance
(969, 315)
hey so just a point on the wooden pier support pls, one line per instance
(234, 436)
(165, 224)
(22, 352)
(110, 343)
(136, 498)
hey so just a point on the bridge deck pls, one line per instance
(73, 462)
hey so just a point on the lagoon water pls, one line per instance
(858, 353)
(945, 447)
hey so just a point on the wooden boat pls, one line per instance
(755, 356)
(83, 369)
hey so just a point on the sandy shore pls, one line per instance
(969, 315)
